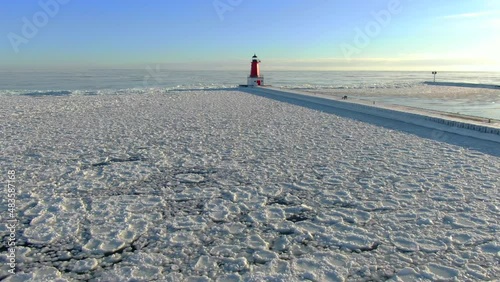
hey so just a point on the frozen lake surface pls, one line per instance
(470, 93)
(228, 186)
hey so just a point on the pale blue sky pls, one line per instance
(224, 34)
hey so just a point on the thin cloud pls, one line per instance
(408, 62)
(471, 15)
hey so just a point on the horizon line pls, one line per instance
(37, 69)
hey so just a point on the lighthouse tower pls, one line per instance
(255, 79)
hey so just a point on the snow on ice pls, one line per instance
(226, 186)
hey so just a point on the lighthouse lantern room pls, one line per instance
(255, 79)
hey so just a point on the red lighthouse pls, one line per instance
(255, 79)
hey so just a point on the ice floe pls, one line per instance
(227, 186)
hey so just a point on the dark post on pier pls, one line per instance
(434, 73)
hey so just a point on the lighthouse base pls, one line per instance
(255, 81)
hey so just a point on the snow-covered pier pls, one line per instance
(481, 128)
